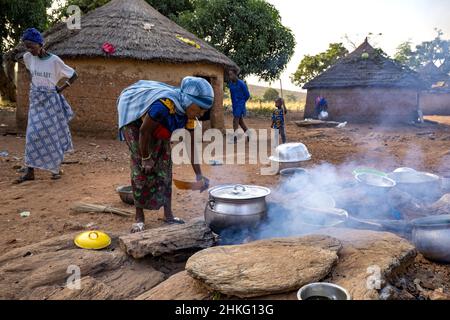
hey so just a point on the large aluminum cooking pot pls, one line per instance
(431, 236)
(236, 206)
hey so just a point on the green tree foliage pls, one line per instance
(436, 51)
(169, 8)
(312, 66)
(270, 94)
(248, 31)
(15, 17)
(18, 15)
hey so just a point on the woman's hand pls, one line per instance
(147, 165)
(205, 181)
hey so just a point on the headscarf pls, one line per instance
(135, 100)
(33, 35)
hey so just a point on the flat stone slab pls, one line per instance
(180, 286)
(42, 271)
(368, 260)
(265, 267)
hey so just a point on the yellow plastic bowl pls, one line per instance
(93, 240)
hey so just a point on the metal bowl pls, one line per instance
(413, 177)
(292, 172)
(422, 185)
(375, 180)
(291, 152)
(126, 194)
(322, 291)
(431, 236)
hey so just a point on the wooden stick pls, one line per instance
(80, 207)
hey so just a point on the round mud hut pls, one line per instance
(435, 100)
(366, 87)
(147, 46)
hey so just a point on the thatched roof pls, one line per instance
(136, 30)
(358, 70)
(432, 74)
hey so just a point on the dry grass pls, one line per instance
(266, 108)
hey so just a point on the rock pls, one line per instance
(20, 276)
(90, 289)
(73, 226)
(368, 260)
(194, 235)
(132, 278)
(439, 294)
(265, 267)
(392, 293)
(180, 286)
(41, 271)
(442, 206)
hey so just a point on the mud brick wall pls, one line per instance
(371, 105)
(435, 103)
(94, 95)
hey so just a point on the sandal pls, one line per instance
(56, 176)
(28, 176)
(174, 220)
(137, 227)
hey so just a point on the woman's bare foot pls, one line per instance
(139, 226)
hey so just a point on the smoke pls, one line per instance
(326, 186)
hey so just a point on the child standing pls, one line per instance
(278, 118)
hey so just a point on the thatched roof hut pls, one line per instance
(435, 100)
(431, 74)
(147, 45)
(366, 86)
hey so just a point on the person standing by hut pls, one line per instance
(48, 135)
(149, 112)
(239, 97)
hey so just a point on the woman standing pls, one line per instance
(48, 134)
(149, 112)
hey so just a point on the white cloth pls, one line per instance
(48, 71)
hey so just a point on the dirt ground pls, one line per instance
(103, 165)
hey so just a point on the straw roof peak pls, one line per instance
(137, 31)
(366, 67)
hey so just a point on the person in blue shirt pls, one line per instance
(278, 118)
(239, 97)
(321, 108)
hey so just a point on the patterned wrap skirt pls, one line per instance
(151, 191)
(48, 135)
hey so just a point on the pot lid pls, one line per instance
(239, 192)
(92, 240)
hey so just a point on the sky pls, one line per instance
(317, 23)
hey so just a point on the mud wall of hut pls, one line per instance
(93, 97)
(435, 102)
(373, 105)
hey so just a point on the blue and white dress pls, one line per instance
(48, 135)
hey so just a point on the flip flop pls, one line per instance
(56, 176)
(137, 227)
(24, 178)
